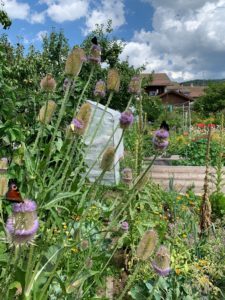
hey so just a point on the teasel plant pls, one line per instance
(219, 162)
(144, 251)
(205, 209)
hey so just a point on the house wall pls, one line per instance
(159, 89)
(173, 99)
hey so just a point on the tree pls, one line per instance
(213, 101)
(152, 106)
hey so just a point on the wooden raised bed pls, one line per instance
(184, 177)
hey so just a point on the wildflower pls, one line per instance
(76, 126)
(127, 175)
(161, 263)
(135, 86)
(74, 62)
(113, 80)
(65, 84)
(124, 225)
(147, 244)
(160, 139)
(46, 112)
(100, 89)
(95, 54)
(126, 119)
(177, 271)
(23, 224)
(48, 83)
(108, 159)
(74, 250)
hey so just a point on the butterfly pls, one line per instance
(94, 40)
(13, 193)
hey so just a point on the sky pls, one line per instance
(183, 38)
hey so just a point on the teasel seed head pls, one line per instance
(3, 164)
(100, 89)
(161, 263)
(127, 176)
(81, 121)
(46, 112)
(147, 244)
(135, 86)
(126, 119)
(48, 83)
(113, 80)
(23, 224)
(95, 54)
(74, 62)
(3, 176)
(108, 159)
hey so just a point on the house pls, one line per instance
(172, 93)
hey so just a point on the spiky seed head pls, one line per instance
(74, 62)
(46, 112)
(3, 184)
(100, 89)
(48, 83)
(147, 244)
(135, 85)
(161, 263)
(81, 121)
(108, 159)
(113, 80)
(3, 163)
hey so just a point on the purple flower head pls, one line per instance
(100, 89)
(95, 54)
(162, 134)
(23, 224)
(76, 124)
(161, 272)
(124, 225)
(26, 206)
(161, 263)
(160, 144)
(65, 84)
(126, 119)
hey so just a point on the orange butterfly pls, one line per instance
(13, 193)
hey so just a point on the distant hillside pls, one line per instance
(201, 82)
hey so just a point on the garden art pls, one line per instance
(64, 236)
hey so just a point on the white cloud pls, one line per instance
(187, 40)
(107, 10)
(40, 35)
(66, 10)
(38, 17)
(17, 10)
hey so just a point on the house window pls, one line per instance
(152, 93)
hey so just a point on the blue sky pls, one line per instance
(184, 38)
(137, 15)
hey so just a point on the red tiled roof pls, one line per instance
(191, 91)
(158, 79)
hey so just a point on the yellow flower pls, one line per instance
(184, 235)
(177, 271)
(74, 250)
(65, 226)
(179, 198)
(187, 195)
